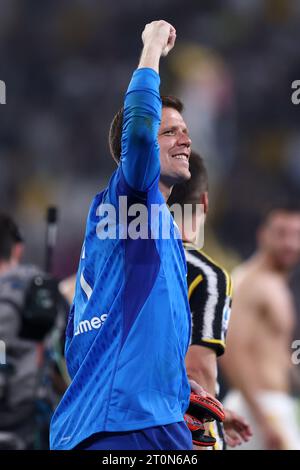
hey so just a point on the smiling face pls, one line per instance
(175, 148)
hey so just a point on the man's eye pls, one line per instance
(169, 132)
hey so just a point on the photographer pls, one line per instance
(29, 305)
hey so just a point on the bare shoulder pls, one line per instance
(240, 274)
(247, 279)
(275, 288)
(261, 294)
(266, 290)
(247, 294)
(259, 289)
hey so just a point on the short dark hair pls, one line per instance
(189, 192)
(286, 205)
(9, 236)
(115, 130)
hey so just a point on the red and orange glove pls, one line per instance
(202, 408)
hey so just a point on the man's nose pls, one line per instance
(184, 139)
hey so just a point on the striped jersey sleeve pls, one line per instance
(210, 294)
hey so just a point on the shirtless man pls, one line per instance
(258, 357)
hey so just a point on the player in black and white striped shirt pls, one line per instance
(210, 291)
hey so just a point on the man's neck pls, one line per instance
(266, 262)
(188, 238)
(192, 231)
(165, 190)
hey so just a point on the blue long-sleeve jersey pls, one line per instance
(129, 325)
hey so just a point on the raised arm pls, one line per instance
(142, 109)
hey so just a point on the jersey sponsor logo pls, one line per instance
(226, 317)
(95, 323)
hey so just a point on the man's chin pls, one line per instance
(180, 177)
(183, 176)
(186, 176)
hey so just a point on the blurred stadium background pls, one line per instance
(66, 65)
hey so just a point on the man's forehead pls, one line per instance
(285, 218)
(171, 116)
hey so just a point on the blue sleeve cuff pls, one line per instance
(146, 79)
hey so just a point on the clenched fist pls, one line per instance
(161, 34)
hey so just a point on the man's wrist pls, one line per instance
(150, 56)
(153, 47)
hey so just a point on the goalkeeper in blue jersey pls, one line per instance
(129, 325)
